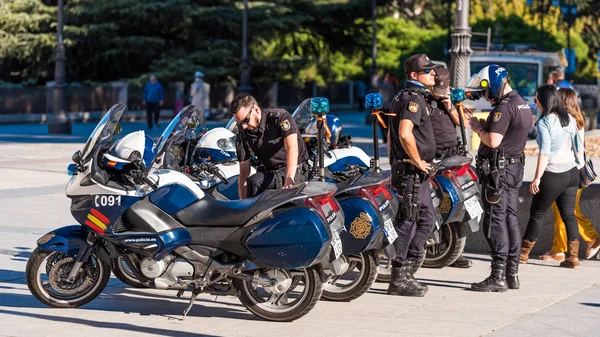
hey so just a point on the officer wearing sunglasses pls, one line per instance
(412, 147)
(272, 136)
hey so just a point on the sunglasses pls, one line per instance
(247, 119)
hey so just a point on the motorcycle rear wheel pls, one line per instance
(52, 288)
(284, 307)
(449, 249)
(338, 289)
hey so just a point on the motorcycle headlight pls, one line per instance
(226, 144)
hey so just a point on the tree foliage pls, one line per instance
(297, 40)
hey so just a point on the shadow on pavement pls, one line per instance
(145, 306)
(597, 305)
(106, 325)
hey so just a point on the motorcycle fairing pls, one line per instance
(449, 198)
(363, 225)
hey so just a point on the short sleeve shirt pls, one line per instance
(267, 144)
(511, 118)
(443, 127)
(410, 104)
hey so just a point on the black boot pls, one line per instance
(403, 283)
(496, 281)
(413, 269)
(512, 275)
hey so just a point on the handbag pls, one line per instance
(587, 175)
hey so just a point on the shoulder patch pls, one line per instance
(497, 116)
(273, 114)
(413, 107)
(285, 125)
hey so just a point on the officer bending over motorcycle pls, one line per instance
(272, 136)
(444, 119)
(411, 147)
(500, 164)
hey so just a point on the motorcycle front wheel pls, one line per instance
(268, 294)
(355, 281)
(47, 274)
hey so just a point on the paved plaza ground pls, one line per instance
(553, 301)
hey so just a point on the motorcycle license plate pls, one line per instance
(389, 230)
(473, 207)
(336, 243)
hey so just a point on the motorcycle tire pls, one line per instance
(92, 279)
(384, 267)
(122, 272)
(367, 272)
(253, 301)
(449, 249)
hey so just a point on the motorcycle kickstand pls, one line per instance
(180, 293)
(195, 294)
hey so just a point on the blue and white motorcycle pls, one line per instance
(183, 238)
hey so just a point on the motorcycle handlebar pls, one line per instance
(212, 170)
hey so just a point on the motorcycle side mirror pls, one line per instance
(76, 157)
(193, 123)
(374, 101)
(118, 129)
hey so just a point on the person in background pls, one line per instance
(360, 91)
(387, 88)
(586, 228)
(556, 176)
(559, 82)
(200, 96)
(153, 98)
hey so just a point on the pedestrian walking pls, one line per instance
(500, 165)
(153, 98)
(360, 91)
(557, 177)
(411, 147)
(200, 96)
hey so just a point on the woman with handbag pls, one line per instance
(586, 228)
(556, 176)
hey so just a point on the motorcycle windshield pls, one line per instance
(177, 126)
(103, 131)
(303, 114)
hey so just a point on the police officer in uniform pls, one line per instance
(500, 164)
(272, 136)
(444, 119)
(412, 148)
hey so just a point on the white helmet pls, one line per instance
(132, 147)
(217, 145)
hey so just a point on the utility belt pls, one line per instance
(491, 170)
(408, 196)
(302, 168)
(279, 170)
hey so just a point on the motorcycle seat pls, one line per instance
(454, 161)
(209, 211)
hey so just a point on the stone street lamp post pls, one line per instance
(59, 123)
(460, 52)
(245, 75)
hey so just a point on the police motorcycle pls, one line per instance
(183, 238)
(208, 161)
(455, 194)
(366, 201)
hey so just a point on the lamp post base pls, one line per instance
(59, 127)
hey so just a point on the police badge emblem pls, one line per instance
(434, 104)
(285, 125)
(361, 226)
(497, 116)
(413, 107)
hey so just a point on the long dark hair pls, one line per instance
(551, 102)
